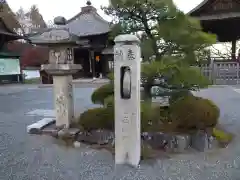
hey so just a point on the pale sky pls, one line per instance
(68, 8)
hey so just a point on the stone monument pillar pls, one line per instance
(127, 67)
(61, 66)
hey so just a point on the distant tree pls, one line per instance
(36, 17)
(34, 56)
(30, 55)
(30, 20)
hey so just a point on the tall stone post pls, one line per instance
(127, 68)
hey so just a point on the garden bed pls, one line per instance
(154, 145)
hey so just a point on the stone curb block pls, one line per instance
(37, 127)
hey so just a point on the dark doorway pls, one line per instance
(46, 78)
(81, 56)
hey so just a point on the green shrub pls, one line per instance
(111, 77)
(192, 112)
(181, 94)
(221, 135)
(109, 101)
(97, 118)
(146, 151)
(101, 93)
(150, 117)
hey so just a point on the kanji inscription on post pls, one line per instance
(130, 55)
(125, 125)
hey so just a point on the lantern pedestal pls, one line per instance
(63, 91)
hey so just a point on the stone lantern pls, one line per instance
(61, 66)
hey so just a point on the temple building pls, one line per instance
(10, 68)
(94, 50)
(220, 17)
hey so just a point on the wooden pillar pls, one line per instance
(2, 41)
(91, 59)
(234, 42)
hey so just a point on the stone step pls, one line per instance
(36, 128)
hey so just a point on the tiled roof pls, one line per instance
(7, 32)
(53, 36)
(8, 17)
(88, 22)
(198, 7)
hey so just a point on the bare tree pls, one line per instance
(223, 50)
(20, 13)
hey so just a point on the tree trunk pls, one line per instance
(150, 35)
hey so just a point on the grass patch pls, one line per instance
(223, 137)
(32, 81)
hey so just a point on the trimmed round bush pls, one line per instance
(102, 93)
(190, 112)
(97, 118)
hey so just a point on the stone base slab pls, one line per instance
(36, 128)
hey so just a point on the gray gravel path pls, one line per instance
(25, 157)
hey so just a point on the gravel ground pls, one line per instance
(25, 157)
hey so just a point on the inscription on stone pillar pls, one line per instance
(61, 104)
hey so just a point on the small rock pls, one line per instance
(211, 142)
(102, 136)
(68, 133)
(35, 131)
(171, 143)
(82, 137)
(199, 141)
(156, 140)
(182, 143)
(77, 144)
